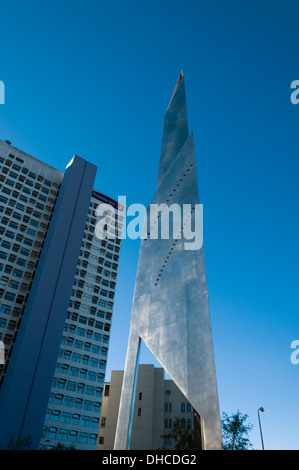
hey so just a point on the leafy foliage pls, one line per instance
(235, 431)
(24, 443)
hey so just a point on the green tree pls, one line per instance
(24, 443)
(182, 437)
(235, 431)
(61, 446)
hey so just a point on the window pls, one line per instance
(10, 234)
(139, 411)
(62, 435)
(68, 401)
(85, 421)
(89, 390)
(97, 407)
(13, 284)
(6, 245)
(55, 415)
(64, 369)
(95, 349)
(67, 355)
(75, 419)
(78, 403)
(95, 423)
(3, 322)
(91, 376)
(10, 296)
(58, 399)
(87, 405)
(65, 417)
(182, 407)
(74, 371)
(73, 436)
(78, 344)
(76, 357)
(5, 309)
(71, 386)
(80, 388)
(93, 439)
(16, 167)
(3, 199)
(83, 438)
(52, 433)
(94, 362)
(101, 378)
(85, 359)
(31, 232)
(140, 395)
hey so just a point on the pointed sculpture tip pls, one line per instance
(181, 76)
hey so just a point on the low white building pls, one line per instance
(158, 403)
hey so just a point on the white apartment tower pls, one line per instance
(57, 289)
(73, 412)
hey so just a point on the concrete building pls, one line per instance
(57, 287)
(158, 403)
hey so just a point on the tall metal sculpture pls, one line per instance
(170, 312)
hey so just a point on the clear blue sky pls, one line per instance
(95, 77)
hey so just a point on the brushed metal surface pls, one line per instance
(170, 312)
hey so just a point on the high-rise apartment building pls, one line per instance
(158, 404)
(73, 412)
(57, 287)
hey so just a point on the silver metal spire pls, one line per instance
(170, 312)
